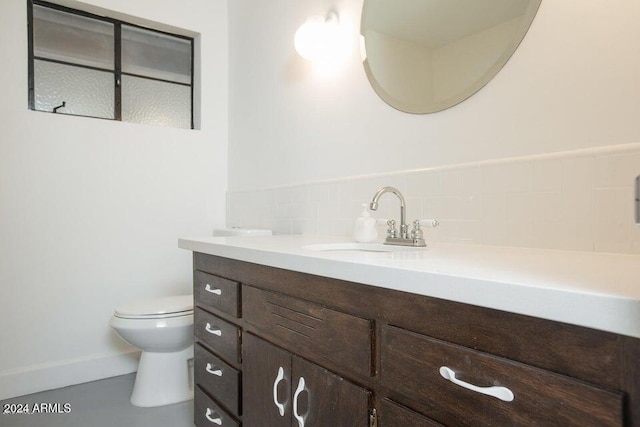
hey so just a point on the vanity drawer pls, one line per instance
(217, 293)
(393, 415)
(218, 378)
(311, 330)
(411, 365)
(222, 337)
(208, 413)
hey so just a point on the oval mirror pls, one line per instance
(423, 56)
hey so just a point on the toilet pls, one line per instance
(163, 329)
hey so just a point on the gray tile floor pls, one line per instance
(103, 403)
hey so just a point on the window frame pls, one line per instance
(117, 66)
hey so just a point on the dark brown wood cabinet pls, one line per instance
(282, 389)
(347, 354)
(537, 392)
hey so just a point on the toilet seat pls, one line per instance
(158, 308)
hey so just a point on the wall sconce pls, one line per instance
(322, 39)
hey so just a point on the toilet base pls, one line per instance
(163, 378)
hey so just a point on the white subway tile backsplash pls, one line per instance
(494, 232)
(337, 191)
(546, 206)
(304, 226)
(451, 183)
(519, 233)
(338, 227)
(300, 194)
(423, 184)
(414, 209)
(471, 179)
(468, 232)
(450, 207)
(547, 175)
(574, 236)
(471, 207)
(614, 226)
(319, 193)
(507, 178)
(520, 207)
(617, 171)
(494, 207)
(570, 201)
(577, 174)
(431, 207)
(284, 195)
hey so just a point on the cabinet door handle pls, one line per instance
(279, 378)
(501, 393)
(216, 291)
(214, 371)
(210, 329)
(213, 417)
(299, 390)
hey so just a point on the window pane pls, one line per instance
(156, 103)
(72, 38)
(85, 92)
(152, 54)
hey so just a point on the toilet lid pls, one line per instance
(157, 307)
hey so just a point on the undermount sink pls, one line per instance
(361, 247)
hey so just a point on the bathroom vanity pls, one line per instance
(291, 337)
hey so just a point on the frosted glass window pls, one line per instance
(88, 65)
(156, 103)
(85, 92)
(157, 55)
(72, 38)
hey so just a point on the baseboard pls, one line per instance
(55, 375)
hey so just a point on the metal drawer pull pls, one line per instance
(216, 291)
(213, 417)
(279, 378)
(501, 393)
(299, 390)
(216, 331)
(215, 371)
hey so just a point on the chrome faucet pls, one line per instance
(403, 205)
(406, 238)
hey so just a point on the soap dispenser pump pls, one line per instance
(364, 230)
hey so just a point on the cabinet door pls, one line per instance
(321, 398)
(266, 377)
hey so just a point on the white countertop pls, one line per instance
(596, 290)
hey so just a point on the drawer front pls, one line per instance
(311, 330)
(208, 413)
(217, 293)
(393, 415)
(411, 366)
(222, 337)
(218, 378)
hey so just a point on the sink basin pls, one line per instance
(361, 247)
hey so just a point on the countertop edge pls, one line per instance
(608, 313)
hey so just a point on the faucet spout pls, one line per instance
(403, 216)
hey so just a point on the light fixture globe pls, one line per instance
(321, 39)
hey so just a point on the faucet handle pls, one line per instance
(391, 231)
(417, 233)
(433, 223)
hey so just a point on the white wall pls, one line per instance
(91, 210)
(572, 84)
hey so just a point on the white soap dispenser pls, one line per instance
(364, 230)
